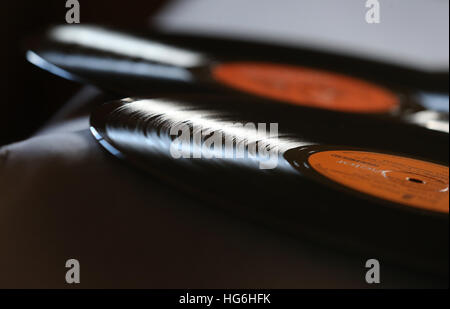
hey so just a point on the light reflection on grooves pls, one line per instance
(143, 126)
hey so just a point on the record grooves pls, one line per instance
(386, 221)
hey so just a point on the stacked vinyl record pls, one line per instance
(342, 151)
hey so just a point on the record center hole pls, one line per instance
(415, 180)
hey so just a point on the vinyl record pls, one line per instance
(141, 65)
(282, 172)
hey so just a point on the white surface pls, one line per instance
(412, 33)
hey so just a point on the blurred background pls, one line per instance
(412, 33)
(29, 95)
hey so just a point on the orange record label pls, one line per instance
(403, 180)
(306, 87)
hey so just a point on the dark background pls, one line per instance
(29, 95)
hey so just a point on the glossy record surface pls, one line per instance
(295, 200)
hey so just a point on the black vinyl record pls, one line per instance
(285, 171)
(131, 65)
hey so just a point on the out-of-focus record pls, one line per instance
(369, 192)
(133, 64)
